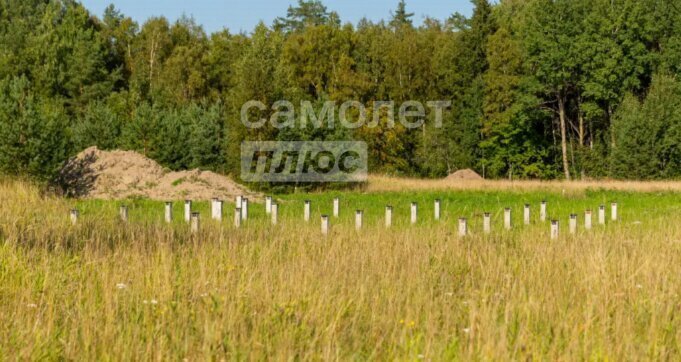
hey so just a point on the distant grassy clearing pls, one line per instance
(146, 290)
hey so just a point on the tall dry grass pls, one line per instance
(379, 183)
(142, 291)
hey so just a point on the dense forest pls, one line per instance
(539, 88)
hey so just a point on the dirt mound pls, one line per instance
(125, 174)
(466, 174)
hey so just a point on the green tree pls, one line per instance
(614, 58)
(182, 75)
(307, 13)
(259, 76)
(206, 137)
(459, 67)
(515, 140)
(313, 56)
(67, 58)
(223, 53)
(168, 144)
(150, 49)
(34, 140)
(401, 17)
(118, 33)
(549, 35)
(98, 126)
(648, 133)
(138, 133)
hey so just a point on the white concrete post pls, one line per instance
(463, 227)
(195, 222)
(213, 208)
(217, 213)
(124, 213)
(388, 216)
(336, 207)
(187, 210)
(359, 216)
(507, 218)
(238, 201)
(573, 223)
(306, 211)
(414, 212)
(601, 215)
(554, 229)
(275, 212)
(437, 209)
(325, 224)
(526, 214)
(613, 211)
(74, 216)
(237, 217)
(268, 204)
(244, 209)
(587, 220)
(542, 211)
(487, 223)
(169, 212)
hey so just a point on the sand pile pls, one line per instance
(466, 174)
(125, 174)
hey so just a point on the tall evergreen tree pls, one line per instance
(33, 131)
(401, 17)
(648, 133)
(307, 13)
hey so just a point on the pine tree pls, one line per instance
(307, 13)
(401, 17)
(648, 133)
(33, 132)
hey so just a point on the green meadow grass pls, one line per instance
(633, 207)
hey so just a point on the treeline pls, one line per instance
(539, 88)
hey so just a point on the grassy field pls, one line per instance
(103, 289)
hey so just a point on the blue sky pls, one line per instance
(237, 15)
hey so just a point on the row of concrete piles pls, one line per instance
(272, 209)
(463, 222)
(193, 218)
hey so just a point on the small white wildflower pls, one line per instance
(639, 286)
(145, 301)
(154, 301)
(466, 330)
(32, 305)
(121, 286)
(203, 295)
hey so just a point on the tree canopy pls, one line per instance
(538, 88)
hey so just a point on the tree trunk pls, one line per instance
(152, 61)
(613, 141)
(563, 136)
(581, 126)
(581, 130)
